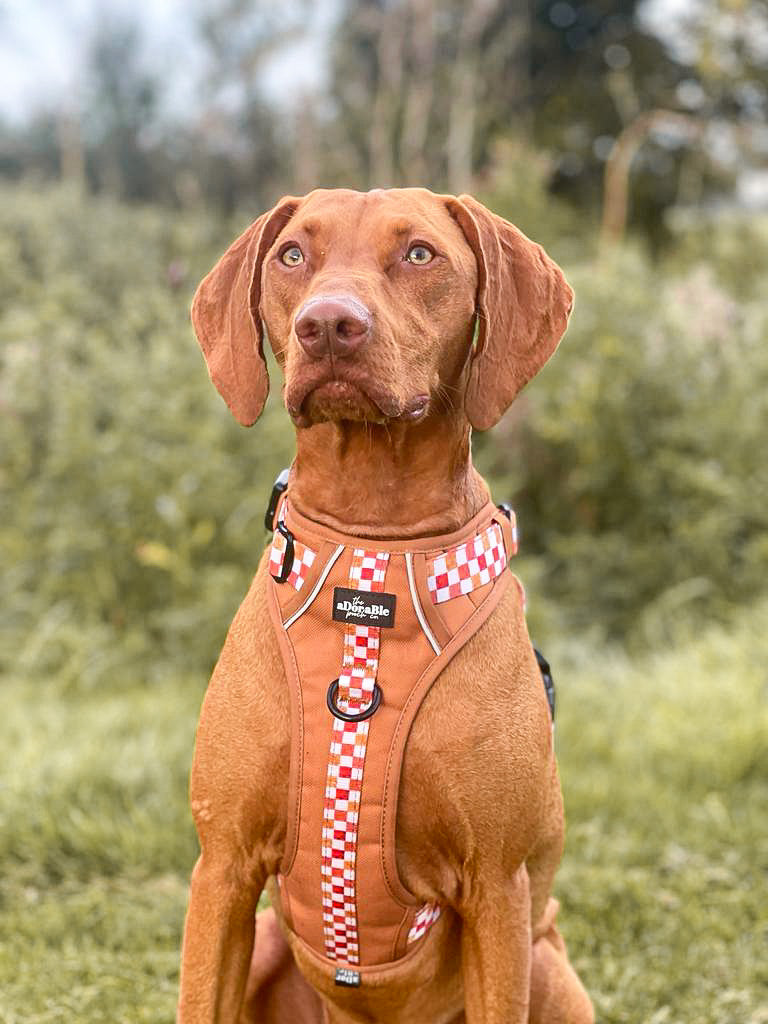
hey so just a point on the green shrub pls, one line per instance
(131, 502)
(637, 459)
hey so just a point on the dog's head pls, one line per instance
(380, 306)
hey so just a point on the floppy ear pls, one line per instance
(226, 318)
(523, 302)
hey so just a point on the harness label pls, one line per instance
(363, 607)
(346, 977)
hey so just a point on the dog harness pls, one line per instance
(365, 627)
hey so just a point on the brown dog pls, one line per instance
(370, 302)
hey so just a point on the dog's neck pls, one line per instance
(393, 481)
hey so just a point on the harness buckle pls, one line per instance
(279, 488)
(288, 554)
(546, 678)
(506, 509)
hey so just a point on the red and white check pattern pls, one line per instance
(423, 921)
(344, 780)
(303, 557)
(470, 565)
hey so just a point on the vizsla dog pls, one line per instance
(409, 882)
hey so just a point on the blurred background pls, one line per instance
(631, 139)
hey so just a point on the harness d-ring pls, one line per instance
(288, 554)
(361, 716)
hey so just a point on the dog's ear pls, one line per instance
(523, 303)
(226, 318)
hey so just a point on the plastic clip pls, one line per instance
(279, 488)
(288, 554)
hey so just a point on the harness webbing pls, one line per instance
(346, 764)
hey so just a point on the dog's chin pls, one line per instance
(334, 401)
(338, 400)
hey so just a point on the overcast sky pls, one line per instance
(41, 46)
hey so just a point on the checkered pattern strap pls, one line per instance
(346, 762)
(423, 921)
(344, 780)
(473, 564)
(303, 557)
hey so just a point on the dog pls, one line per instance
(400, 320)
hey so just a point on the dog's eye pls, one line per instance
(292, 256)
(419, 254)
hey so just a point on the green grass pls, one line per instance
(96, 845)
(663, 762)
(664, 767)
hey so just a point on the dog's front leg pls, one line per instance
(218, 942)
(496, 950)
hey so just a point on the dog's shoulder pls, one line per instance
(243, 734)
(480, 753)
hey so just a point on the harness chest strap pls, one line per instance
(364, 629)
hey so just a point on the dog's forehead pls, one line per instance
(329, 214)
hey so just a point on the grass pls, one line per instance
(663, 762)
(663, 885)
(96, 845)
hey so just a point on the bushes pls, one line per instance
(131, 502)
(638, 455)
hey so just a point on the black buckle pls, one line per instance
(505, 508)
(345, 716)
(278, 488)
(546, 678)
(288, 554)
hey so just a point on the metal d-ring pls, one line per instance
(361, 716)
(288, 554)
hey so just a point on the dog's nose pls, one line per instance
(331, 325)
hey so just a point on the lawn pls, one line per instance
(663, 886)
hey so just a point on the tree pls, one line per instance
(424, 89)
(244, 152)
(120, 110)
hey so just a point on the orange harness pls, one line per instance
(364, 628)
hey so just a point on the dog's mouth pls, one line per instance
(339, 398)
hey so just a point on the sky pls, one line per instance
(663, 18)
(41, 43)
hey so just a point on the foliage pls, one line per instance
(123, 111)
(120, 541)
(131, 502)
(735, 244)
(636, 459)
(661, 761)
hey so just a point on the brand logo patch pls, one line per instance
(363, 607)
(344, 976)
